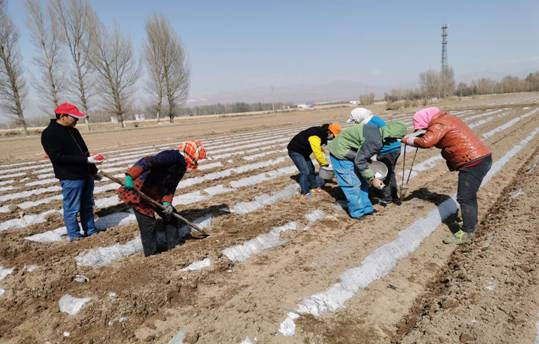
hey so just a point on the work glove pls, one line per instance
(96, 159)
(128, 184)
(168, 210)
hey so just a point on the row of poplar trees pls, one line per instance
(81, 59)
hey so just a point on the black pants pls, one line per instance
(157, 235)
(470, 179)
(390, 192)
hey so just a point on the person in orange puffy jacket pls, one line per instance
(464, 152)
(158, 176)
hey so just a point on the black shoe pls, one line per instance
(384, 202)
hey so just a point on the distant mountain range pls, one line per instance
(333, 91)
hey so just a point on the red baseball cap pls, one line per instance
(69, 109)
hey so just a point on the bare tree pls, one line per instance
(152, 55)
(447, 82)
(430, 83)
(12, 84)
(112, 58)
(72, 21)
(167, 63)
(45, 37)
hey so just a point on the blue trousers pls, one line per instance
(78, 195)
(354, 188)
(307, 177)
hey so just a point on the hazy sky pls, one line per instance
(241, 45)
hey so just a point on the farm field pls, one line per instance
(277, 268)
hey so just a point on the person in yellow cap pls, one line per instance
(305, 143)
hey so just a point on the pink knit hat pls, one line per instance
(423, 117)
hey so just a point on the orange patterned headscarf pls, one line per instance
(193, 151)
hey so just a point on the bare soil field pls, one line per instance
(278, 268)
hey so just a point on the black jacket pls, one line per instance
(67, 151)
(300, 142)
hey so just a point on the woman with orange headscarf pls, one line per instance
(158, 176)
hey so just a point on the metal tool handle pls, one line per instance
(155, 203)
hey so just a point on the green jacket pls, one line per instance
(361, 141)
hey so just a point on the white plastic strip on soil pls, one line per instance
(3, 273)
(27, 220)
(510, 123)
(383, 259)
(122, 218)
(242, 252)
(111, 186)
(72, 305)
(204, 166)
(102, 256)
(133, 152)
(537, 330)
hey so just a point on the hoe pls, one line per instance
(200, 232)
(404, 187)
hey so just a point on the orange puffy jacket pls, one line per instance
(459, 144)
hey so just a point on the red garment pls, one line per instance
(459, 144)
(157, 176)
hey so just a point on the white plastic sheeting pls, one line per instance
(242, 252)
(178, 337)
(261, 177)
(72, 305)
(7, 188)
(6, 182)
(383, 259)
(198, 265)
(4, 272)
(509, 124)
(102, 223)
(102, 256)
(263, 200)
(27, 220)
(24, 194)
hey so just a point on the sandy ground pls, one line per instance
(488, 293)
(435, 294)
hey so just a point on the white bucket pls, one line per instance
(379, 169)
(326, 173)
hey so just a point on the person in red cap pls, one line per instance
(158, 176)
(74, 167)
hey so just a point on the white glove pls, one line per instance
(96, 159)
